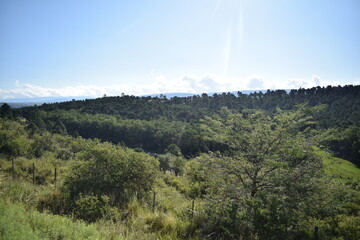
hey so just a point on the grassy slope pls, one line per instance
(339, 169)
(170, 219)
(19, 218)
(18, 223)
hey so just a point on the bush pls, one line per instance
(91, 208)
(52, 200)
(111, 170)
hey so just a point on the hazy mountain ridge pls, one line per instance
(26, 102)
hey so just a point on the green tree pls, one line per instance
(5, 111)
(14, 141)
(172, 160)
(111, 170)
(174, 150)
(267, 178)
(90, 208)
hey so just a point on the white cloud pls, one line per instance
(161, 84)
(308, 83)
(256, 83)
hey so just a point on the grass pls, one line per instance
(339, 169)
(19, 218)
(16, 222)
(170, 220)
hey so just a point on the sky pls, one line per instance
(97, 47)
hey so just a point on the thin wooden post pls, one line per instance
(13, 168)
(316, 233)
(55, 177)
(33, 173)
(192, 208)
(154, 199)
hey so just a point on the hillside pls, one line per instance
(159, 122)
(258, 166)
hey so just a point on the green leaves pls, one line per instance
(268, 169)
(90, 208)
(111, 170)
(13, 139)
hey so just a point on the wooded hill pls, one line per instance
(257, 166)
(154, 123)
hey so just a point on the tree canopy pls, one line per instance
(105, 169)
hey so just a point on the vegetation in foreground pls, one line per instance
(248, 174)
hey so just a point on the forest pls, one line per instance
(266, 165)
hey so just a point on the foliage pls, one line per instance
(251, 169)
(13, 139)
(266, 174)
(91, 208)
(111, 170)
(201, 183)
(172, 163)
(18, 223)
(344, 142)
(154, 123)
(5, 111)
(338, 169)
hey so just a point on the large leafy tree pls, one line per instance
(13, 139)
(5, 111)
(267, 177)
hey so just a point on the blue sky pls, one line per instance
(91, 48)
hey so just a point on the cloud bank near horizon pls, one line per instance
(161, 84)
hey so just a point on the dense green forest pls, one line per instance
(154, 123)
(271, 165)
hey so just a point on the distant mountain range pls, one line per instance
(171, 95)
(26, 102)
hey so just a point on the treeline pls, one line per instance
(153, 123)
(343, 104)
(152, 136)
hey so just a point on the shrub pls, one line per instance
(91, 208)
(111, 170)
